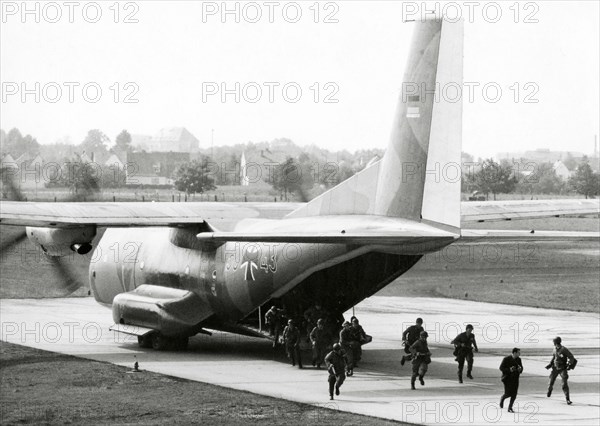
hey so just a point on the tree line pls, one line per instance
(302, 175)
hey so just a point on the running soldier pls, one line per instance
(421, 358)
(291, 337)
(562, 361)
(464, 344)
(410, 336)
(336, 366)
(511, 368)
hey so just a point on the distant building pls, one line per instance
(561, 170)
(153, 168)
(170, 139)
(141, 142)
(541, 155)
(244, 180)
(8, 161)
(27, 170)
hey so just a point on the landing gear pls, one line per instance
(145, 341)
(159, 342)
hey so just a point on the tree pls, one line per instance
(3, 138)
(495, 178)
(123, 141)
(83, 179)
(543, 180)
(293, 177)
(194, 177)
(95, 142)
(585, 181)
(30, 145)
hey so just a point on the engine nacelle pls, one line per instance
(62, 241)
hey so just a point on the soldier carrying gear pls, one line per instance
(562, 361)
(320, 339)
(336, 366)
(291, 337)
(359, 338)
(273, 319)
(464, 344)
(410, 336)
(346, 339)
(421, 358)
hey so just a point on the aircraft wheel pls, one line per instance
(145, 341)
(181, 343)
(159, 342)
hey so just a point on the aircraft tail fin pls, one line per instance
(419, 176)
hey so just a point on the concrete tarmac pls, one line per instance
(380, 386)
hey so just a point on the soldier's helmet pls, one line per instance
(419, 320)
(290, 322)
(557, 340)
(320, 321)
(424, 334)
(469, 327)
(345, 323)
(337, 346)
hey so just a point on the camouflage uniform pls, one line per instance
(336, 366)
(464, 344)
(410, 336)
(320, 339)
(346, 340)
(291, 337)
(562, 361)
(273, 319)
(421, 358)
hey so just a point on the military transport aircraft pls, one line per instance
(172, 270)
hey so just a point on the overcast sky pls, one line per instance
(177, 54)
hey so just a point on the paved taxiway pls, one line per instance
(380, 386)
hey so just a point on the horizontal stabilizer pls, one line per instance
(348, 229)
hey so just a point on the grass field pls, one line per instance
(40, 387)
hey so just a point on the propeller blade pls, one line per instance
(8, 182)
(10, 242)
(68, 281)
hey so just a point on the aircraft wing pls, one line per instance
(132, 214)
(483, 211)
(490, 235)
